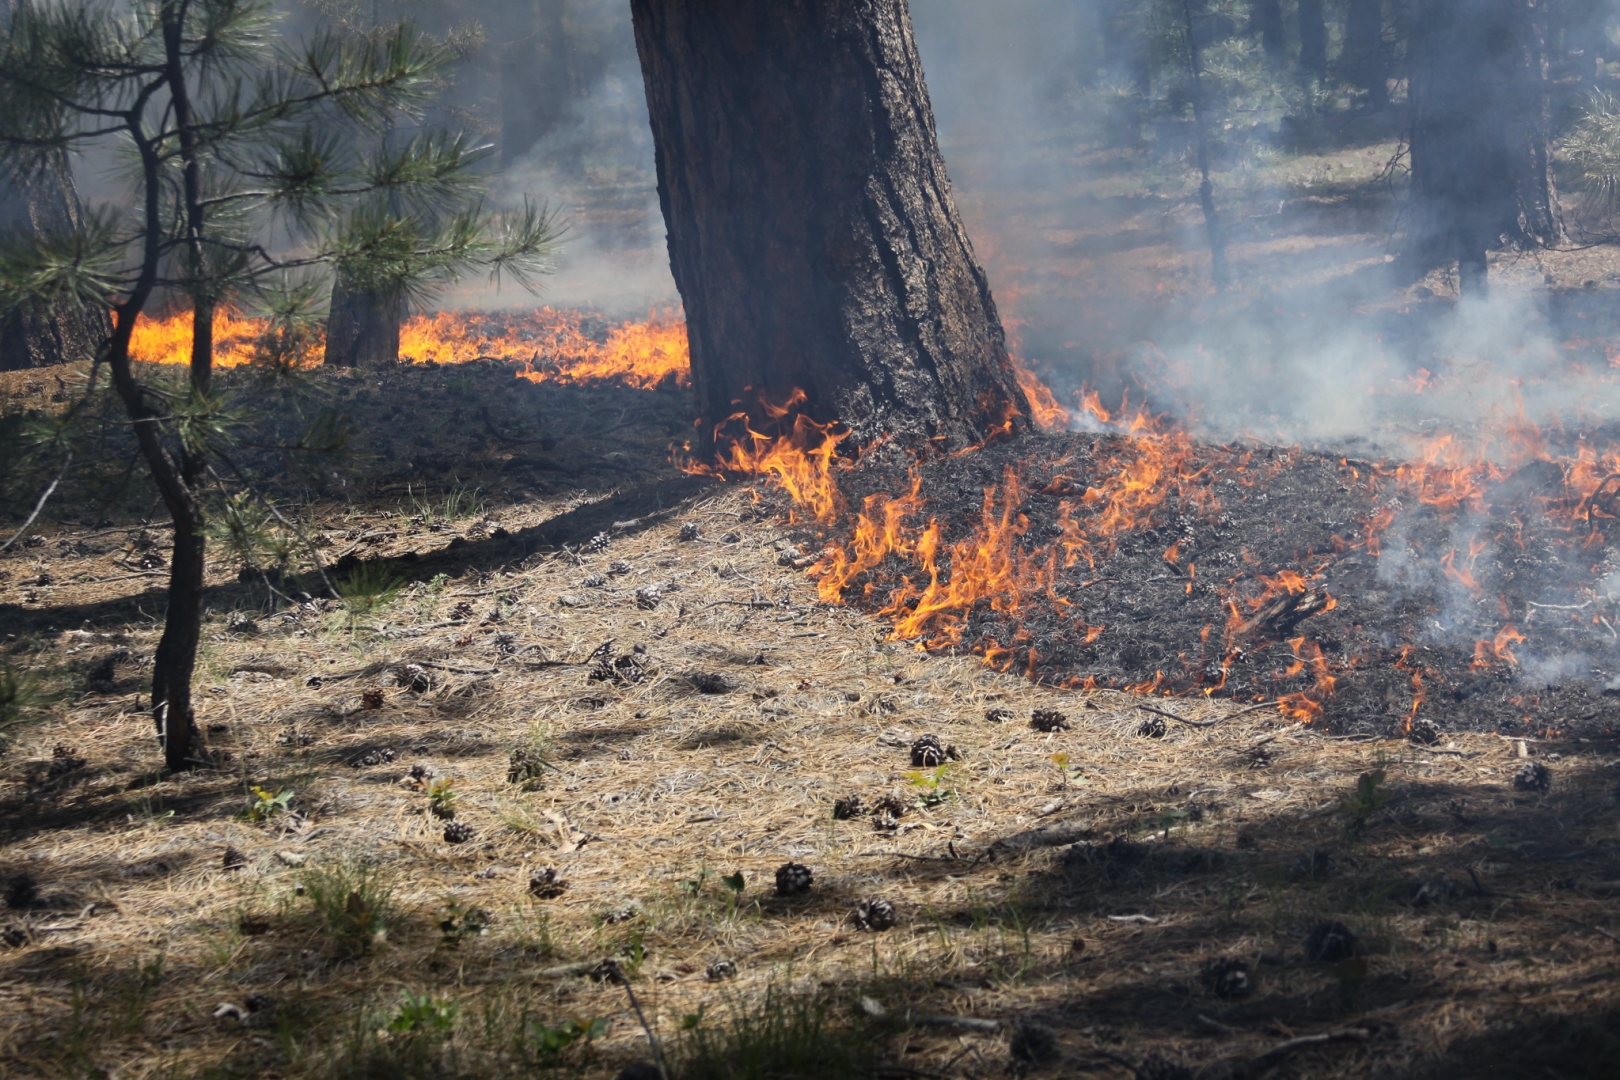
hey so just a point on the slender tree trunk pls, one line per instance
(1312, 40)
(1206, 187)
(812, 231)
(1362, 62)
(1266, 20)
(36, 337)
(536, 75)
(363, 330)
(1479, 136)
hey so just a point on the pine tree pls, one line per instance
(236, 137)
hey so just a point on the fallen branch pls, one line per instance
(1048, 836)
(1258, 1065)
(965, 1023)
(43, 499)
(1180, 719)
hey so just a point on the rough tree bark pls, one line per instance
(363, 328)
(1362, 62)
(37, 337)
(1481, 174)
(812, 231)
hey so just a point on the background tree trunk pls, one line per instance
(1266, 20)
(35, 337)
(1362, 62)
(363, 329)
(1480, 169)
(812, 231)
(1312, 40)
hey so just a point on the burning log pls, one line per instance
(1278, 616)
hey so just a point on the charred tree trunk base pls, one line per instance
(363, 331)
(812, 231)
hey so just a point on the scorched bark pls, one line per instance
(812, 231)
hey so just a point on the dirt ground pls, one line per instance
(1122, 893)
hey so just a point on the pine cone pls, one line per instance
(1032, 1044)
(928, 752)
(720, 969)
(708, 682)
(525, 765)
(690, 532)
(1048, 720)
(1229, 978)
(1534, 776)
(421, 773)
(232, 859)
(415, 678)
(889, 806)
(457, 832)
(599, 542)
(1331, 942)
(546, 885)
(594, 581)
(793, 878)
(648, 597)
(22, 891)
(372, 699)
(619, 566)
(381, 756)
(1153, 727)
(998, 715)
(1424, 732)
(463, 610)
(874, 915)
(851, 807)
(259, 1002)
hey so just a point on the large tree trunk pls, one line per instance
(1361, 63)
(1480, 169)
(37, 336)
(363, 328)
(812, 231)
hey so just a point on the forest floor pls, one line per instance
(1242, 898)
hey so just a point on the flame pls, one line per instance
(800, 463)
(553, 345)
(236, 338)
(1043, 404)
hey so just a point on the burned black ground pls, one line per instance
(1409, 611)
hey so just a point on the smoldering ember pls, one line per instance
(655, 541)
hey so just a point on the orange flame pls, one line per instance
(554, 345)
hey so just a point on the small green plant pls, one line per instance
(424, 1014)
(693, 886)
(461, 922)
(265, 806)
(244, 528)
(21, 700)
(369, 589)
(527, 765)
(352, 902)
(784, 1036)
(932, 786)
(442, 798)
(548, 1044)
(1364, 802)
